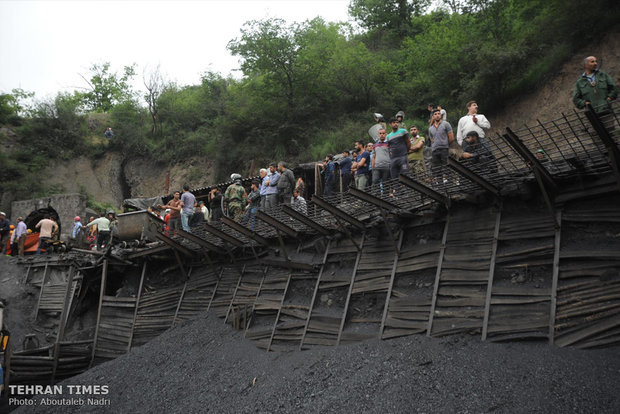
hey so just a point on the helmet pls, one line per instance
(235, 176)
(77, 218)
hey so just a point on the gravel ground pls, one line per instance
(205, 366)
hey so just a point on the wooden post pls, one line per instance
(316, 289)
(260, 287)
(63, 321)
(392, 277)
(438, 275)
(487, 304)
(215, 288)
(275, 324)
(346, 304)
(556, 274)
(234, 294)
(36, 311)
(135, 312)
(176, 312)
(104, 274)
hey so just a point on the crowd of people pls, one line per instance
(395, 149)
(275, 185)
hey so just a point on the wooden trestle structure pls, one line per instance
(519, 247)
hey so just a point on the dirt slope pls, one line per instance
(555, 96)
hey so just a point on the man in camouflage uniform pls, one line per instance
(235, 196)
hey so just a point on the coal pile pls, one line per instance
(205, 366)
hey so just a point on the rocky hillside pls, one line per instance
(555, 96)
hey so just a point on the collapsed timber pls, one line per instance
(525, 248)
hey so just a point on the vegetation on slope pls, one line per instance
(308, 88)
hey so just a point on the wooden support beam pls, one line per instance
(337, 212)
(104, 274)
(275, 324)
(245, 231)
(148, 252)
(232, 299)
(201, 242)
(348, 300)
(424, 190)
(215, 288)
(608, 141)
(260, 287)
(26, 277)
(135, 312)
(391, 286)
(64, 315)
(305, 220)
(530, 159)
(442, 251)
(472, 176)
(371, 199)
(187, 276)
(277, 224)
(314, 294)
(487, 304)
(174, 245)
(223, 235)
(36, 311)
(554, 280)
(546, 184)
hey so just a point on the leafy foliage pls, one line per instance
(309, 88)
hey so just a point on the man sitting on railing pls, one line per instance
(594, 87)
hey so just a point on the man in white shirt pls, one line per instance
(473, 121)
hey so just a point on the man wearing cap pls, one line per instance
(235, 195)
(19, 236)
(5, 230)
(76, 227)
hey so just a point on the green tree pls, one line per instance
(389, 15)
(106, 88)
(268, 49)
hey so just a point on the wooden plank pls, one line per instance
(388, 295)
(437, 275)
(104, 273)
(36, 312)
(63, 320)
(352, 281)
(590, 330)
(275, 324)
(135, 313)
(314, 294)
(487, 305)
(554, 281)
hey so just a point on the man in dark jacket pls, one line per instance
(594, 87)
(286, 183)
